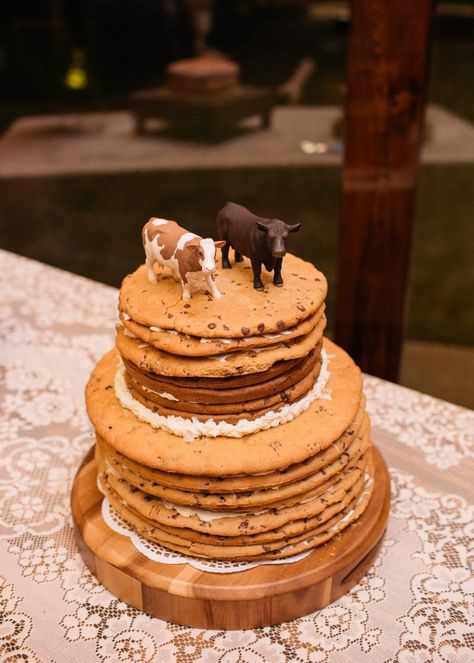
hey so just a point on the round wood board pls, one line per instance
(262, 596)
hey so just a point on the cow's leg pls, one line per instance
(277, 280)
(149, 269)
(212, 286)
(186, 290)
(225, 256)
(237, 256)
(257, 269)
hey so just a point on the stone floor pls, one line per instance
(106, 143)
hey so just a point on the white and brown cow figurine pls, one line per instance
(166, 243)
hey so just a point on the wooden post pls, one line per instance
(388, 59)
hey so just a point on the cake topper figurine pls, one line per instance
(262, 240)
(166, 243)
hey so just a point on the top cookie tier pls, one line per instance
(241, 312)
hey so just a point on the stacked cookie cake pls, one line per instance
(230, 428)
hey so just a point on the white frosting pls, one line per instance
(163, 394)
(125, 316)
(127, 332)
(193, 428)
(220, 339)
(160, 329)
(222, 358)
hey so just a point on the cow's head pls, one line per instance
(276, 233)
(206, 252)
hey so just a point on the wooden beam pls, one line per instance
(388, 61)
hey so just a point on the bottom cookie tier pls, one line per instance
(261, 596)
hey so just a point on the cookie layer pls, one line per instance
(230, 523)
(152, 360)
(314, 430)
(242, 310)
(240, 482)
(242, 501)
(169, 340)
(354, 498)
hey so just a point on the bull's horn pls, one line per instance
(294, 229)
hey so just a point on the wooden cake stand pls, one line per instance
(262, 596)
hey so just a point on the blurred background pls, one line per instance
(79, 175)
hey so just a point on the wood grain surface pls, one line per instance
(388, 61)
(265, 595)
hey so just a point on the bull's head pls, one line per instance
(276, 233)
(206, 252)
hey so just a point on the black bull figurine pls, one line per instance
(262, 240)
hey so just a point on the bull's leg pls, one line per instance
(277, 280)
(257, 269)
(149, 270)
(213, 287)
(237, 256)
(225, 256)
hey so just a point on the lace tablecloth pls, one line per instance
(414, 606)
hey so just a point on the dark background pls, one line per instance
(91, 224)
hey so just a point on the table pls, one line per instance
(203, 117)
(415, 605)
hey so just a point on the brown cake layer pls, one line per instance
(150, 384)
(162, 403)
(231, 382)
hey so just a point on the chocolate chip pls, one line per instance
(245, 331)
(281, 324)
(212, 325)
(300, 307)
(226, 328)
(187, 306)
(261, 327)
